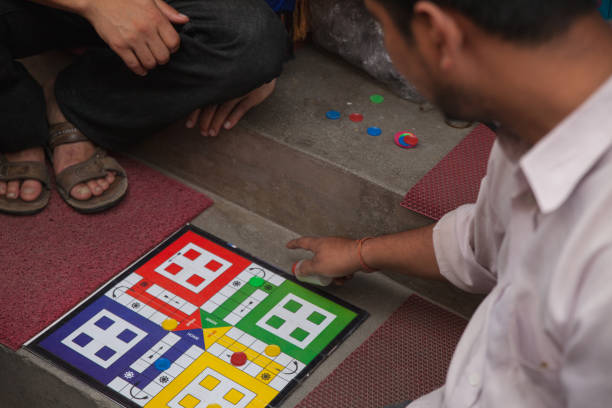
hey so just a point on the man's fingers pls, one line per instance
(145, 56)
(239, 111)
(170, 37)
(302, 243)
(131, 61)
(160, 51)
(171, 13)
(206, 118)
(193, 118)
(222, 114)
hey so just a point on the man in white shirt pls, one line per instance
(539, 238)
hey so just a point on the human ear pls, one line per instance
(437, 35)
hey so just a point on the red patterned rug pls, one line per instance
(55, 259)
(456, 179)
(403, 359)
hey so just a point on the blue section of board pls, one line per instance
(53, 343)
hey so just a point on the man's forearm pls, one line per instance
(409, 252)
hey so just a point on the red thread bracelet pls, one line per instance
(364, 265)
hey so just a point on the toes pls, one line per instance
(30, 190)
(12, 190)
(81, 192)
(103, 184)
(2, 188)
(95, 187)
(110, 177)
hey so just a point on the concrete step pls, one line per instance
(28, 381)
(288, 163)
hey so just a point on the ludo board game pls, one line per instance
(198, 323)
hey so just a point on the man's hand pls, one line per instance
(211, 118)
(333, 257)
(139, 31)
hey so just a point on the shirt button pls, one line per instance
(474, 379)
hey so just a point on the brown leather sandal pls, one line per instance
(29, 170)
(93, 168)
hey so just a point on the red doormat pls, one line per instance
(55, 259)
(403, 359)
(456, 179)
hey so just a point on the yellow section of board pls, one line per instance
(212, 335)
(263, 393)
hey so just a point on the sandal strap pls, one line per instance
(64, 133)
(93, 168)
(28, 170)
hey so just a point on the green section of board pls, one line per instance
(235, 300)
(343, 318)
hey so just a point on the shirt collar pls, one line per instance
(556, 164)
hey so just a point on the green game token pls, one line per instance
(377, 99)
(256, 281)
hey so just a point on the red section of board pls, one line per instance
(148, 272)
(456, 179)
(53, 260)
(403, 359)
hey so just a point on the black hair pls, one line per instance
(515, 20)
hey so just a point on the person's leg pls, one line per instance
(228, 48)
(27, 29)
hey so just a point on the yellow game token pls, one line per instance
(214, 406)
(273, 350)
(169, 324)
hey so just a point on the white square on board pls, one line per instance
(259, 294)
(171, 339)
(247, 339)
(147, 311)
(117, 384)
(218, 298)
(276, 279)
(253, 370)
(184, 361)
(158, 317)
(209, 307)
(155, 290)
(194, 352)
(133, 278)
(216, 349)
(234, 333)
(140, 365)
(258, 346)
(278, 383)
(152, 389)
(188, 308)
(228, 290)
(232, 319)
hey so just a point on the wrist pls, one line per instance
(363, 263)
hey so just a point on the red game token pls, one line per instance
(356, 117)
(239, 359)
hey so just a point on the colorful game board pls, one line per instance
(197, 323)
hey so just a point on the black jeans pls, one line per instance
(228, 48)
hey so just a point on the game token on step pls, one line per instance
(169, 324)
(214, 406)
(356, 117)
(406, 140)
(377, 99)
(333, 115)
(374, 131)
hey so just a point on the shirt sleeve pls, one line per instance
(586, 372)
(467, 240)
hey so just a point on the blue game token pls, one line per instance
(374, 131)
(333, 115)
(162, 364)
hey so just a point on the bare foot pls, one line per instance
(70, 154)
(27, 190)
